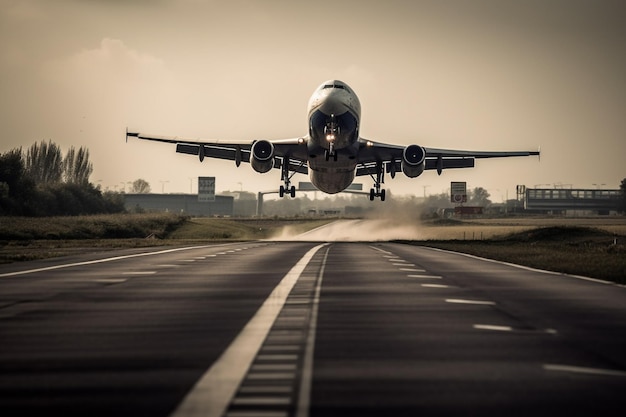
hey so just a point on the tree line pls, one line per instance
(42, 181)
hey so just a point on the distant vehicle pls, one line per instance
(332, 152)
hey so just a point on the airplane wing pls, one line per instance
(291, 150)
(372, 154)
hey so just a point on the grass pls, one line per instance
(28, 238)
(112, 226)
(568, 249)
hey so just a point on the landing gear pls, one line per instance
(331, 130)
(291, 191)
(377, 191)
(285, 175)
(330, 152)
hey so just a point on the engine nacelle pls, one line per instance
(262, 156)
(413, 160)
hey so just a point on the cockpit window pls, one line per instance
(334, 86)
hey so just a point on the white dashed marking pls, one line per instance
(424, 276)
(435, 286)
(478, 302)
(493, 327)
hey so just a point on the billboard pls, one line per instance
(206, 189)
(458, 192)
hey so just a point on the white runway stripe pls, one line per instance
(478, 302)
(213, 392)
(583, 370)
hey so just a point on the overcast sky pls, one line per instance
(482, 75)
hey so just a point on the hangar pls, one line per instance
(578, 200)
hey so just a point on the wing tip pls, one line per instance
(131, 134)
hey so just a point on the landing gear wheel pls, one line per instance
(292, 192)
(281, 191)
(328, 154)
(378, 180)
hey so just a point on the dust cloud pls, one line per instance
(380, 225)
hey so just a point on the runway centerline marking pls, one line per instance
(435, 286)
(493, 327)
(477, 302)
(304, 399)
(214, 391)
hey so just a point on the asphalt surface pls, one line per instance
(306, 328)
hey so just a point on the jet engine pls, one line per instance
(413, 160)
(262, 156)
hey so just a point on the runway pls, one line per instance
(306, 329)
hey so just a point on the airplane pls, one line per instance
(333, 153)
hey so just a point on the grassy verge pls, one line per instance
(27, 238)
(572, 250)
(113, 226)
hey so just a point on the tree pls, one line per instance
(479, 197)
(140, 186)
(622, 188)
(15, 186)
(76, 166)
(44, 163)
(11, 170)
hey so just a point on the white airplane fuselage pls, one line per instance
(334, 116)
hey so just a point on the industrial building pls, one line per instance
(570, 201)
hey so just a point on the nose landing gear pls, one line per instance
(330, 152)
(331, 130)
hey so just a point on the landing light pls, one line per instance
(330, 137)
(370, 143)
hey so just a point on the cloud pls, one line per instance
(111, 65)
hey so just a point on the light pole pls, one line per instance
(163, 182)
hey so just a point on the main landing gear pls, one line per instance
(286, 189)
(285, 176)
(377, 191)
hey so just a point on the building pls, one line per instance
(180, 203)
(582, 201)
